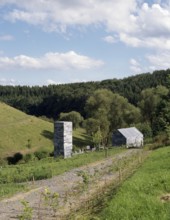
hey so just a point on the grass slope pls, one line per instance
(140, 197)
(19, 131)
(23, 133)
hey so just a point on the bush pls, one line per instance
(42, 174)
(73, 116)
(75, 148)
(41, 154)
(159, 141)
(146, 129)
(3, 162)
(28, 157)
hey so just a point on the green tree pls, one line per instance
(98, 107)
(112, 111)
(154, 108)
(73, 116)
(168, 133)
(146, 129)
(97, 138)
(150, 99)
(123, 113)
(91, 125)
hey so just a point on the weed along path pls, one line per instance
(66, 195)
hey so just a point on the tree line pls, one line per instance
(101, 107)
(53, 99)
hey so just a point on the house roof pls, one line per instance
(130, 132)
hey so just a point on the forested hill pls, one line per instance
(53, 99)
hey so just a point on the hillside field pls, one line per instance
(23, 133)
(146, 195)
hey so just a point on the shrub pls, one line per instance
(3, 162)
(28, 157)
(41, 154)
(42, 174)
(75, 148)
(146, 129)
(29, 144)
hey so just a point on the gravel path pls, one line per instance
(69, 187)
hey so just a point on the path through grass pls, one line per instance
(12, 175)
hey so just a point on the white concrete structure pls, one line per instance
(63, 139)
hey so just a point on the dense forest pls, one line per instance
(53, 99)
(141, 100)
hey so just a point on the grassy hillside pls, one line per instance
(21, 132)
(147, 194)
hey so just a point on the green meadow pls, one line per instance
(146, 195)
(23, 133)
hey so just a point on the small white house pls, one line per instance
(130, 137)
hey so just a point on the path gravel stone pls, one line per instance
(68, 186)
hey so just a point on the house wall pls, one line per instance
(118, 139)
(134, 142)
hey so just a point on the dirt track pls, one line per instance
(72, 187)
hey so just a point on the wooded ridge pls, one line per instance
(53, 99)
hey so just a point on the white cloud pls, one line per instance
(6, 38)
(52, 82)
(156, 61)
(58, 15)
(110, 39)
(159, 61)
(151, 28)
(134, 22)
(59, 61)
(135, 66)
(134, 62)
(78, 80)
(135, 69)
(130, 40)
(4, 81)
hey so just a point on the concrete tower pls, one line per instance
(62, 139)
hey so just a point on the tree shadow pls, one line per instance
(47, 134)
(82, 141)
(79, 142)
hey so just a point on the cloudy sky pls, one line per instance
(62, 41)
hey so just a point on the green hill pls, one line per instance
(23, 133)
(20, 132)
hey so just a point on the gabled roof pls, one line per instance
(130, 132)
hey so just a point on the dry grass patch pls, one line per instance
(165, 198)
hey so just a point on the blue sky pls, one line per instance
(63, 41)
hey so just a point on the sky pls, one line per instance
(46, 42)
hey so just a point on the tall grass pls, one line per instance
(10, 189)
(140, 196)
